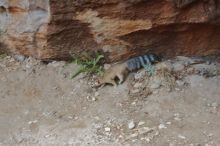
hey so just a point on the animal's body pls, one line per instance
(121, 70)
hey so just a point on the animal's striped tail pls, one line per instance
(142, 61)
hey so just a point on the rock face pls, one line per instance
(23, 26)
(52, 29)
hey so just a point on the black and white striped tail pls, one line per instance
(141, 61)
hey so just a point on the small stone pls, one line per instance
(107, 66)
(185, 60)
(156, 84)
(137, 85)
(181, 136)
(177, 119)
(215, 105)
(162, 126)
(180, 83)
(31, 122)
(131, 125)
(141, 123)
(134, 135)
(28, 66)
(147, 139)
(171, 144)
(210, 134)
(168, 123)
(70, 117)
(139, 75)
(190, 70)
(155, 92)
(134, 103)
(56, 64)
(89, 98)
(164, 66)
(94, 99)
(144, 130)
(76, 118)
(107, 129)
(11, 60)
(96, 94)
(134, 91)
(19, 58)
(178, 67)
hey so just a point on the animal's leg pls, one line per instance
(121, 78)
(113, 82)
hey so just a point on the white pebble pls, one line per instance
(178, 67)
(107, 66)
(107, 129)
(31, 122)
(144, 130)
(139, 75)
(168, 123)
(133, 103)
(131, 125)
(141, 123)
(96, 94)
(134, 91)
(20, 58)
(180, 83)
(181, 136)
(162, 126)
(156, 84)
(210, 134)
(214, 105)
(177, 119)
(137, 85)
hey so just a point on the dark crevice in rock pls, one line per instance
(187, 39)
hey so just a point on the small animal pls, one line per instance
(121, 70)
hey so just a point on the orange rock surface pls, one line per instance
(121, 29)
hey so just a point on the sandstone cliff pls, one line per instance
(54, 29)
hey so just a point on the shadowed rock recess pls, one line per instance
(54, 29)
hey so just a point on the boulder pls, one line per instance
(52, 29)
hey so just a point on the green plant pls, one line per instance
(3, 55)
(149, 68)
(89, 63)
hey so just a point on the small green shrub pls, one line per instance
(89, 63)
(150, 69)
(3, 55)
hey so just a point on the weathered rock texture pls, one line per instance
(57, 28)
(23, 26)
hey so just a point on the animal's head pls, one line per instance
(98, 81)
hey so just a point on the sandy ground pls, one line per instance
(41, 106)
